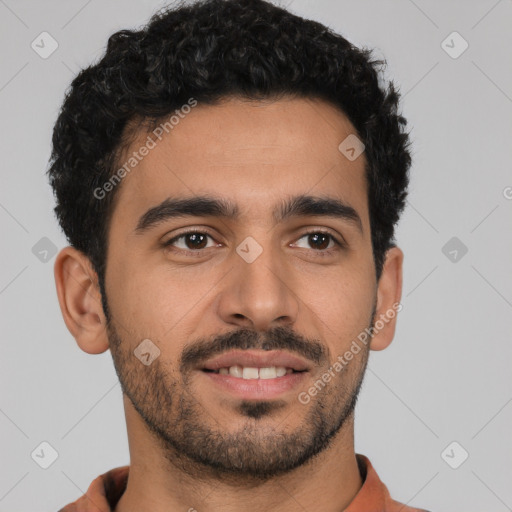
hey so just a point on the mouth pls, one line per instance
(251, 374)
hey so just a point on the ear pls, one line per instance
(80, 300)
(389, 293)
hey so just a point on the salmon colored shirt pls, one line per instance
(106, 490)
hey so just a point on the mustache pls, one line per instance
(278, 338)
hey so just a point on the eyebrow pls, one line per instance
(208, 206)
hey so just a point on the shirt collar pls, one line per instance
(106, 490)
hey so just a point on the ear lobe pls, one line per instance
(80, 300)
(389, 293)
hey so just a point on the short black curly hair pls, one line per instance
(212, 50)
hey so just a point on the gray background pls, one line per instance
(445, 378)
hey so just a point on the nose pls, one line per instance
(258, 294)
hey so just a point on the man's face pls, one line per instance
(243, 292)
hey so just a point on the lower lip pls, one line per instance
(261, 389)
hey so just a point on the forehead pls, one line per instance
(253, 152)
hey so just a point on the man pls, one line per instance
(229, 179)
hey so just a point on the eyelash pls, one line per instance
(320, 253)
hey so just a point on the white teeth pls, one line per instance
(235, 371)
(268, 373)
(281, 371)
(249, 372)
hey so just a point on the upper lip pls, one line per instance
(256, 359)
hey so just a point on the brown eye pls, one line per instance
(190, 241)
(195, 240)
(319, 240)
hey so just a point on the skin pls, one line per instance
(255, 154)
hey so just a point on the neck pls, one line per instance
(328, 482)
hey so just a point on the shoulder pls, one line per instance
(374, 492)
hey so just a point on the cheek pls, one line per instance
(345, 308)
(158, 302)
